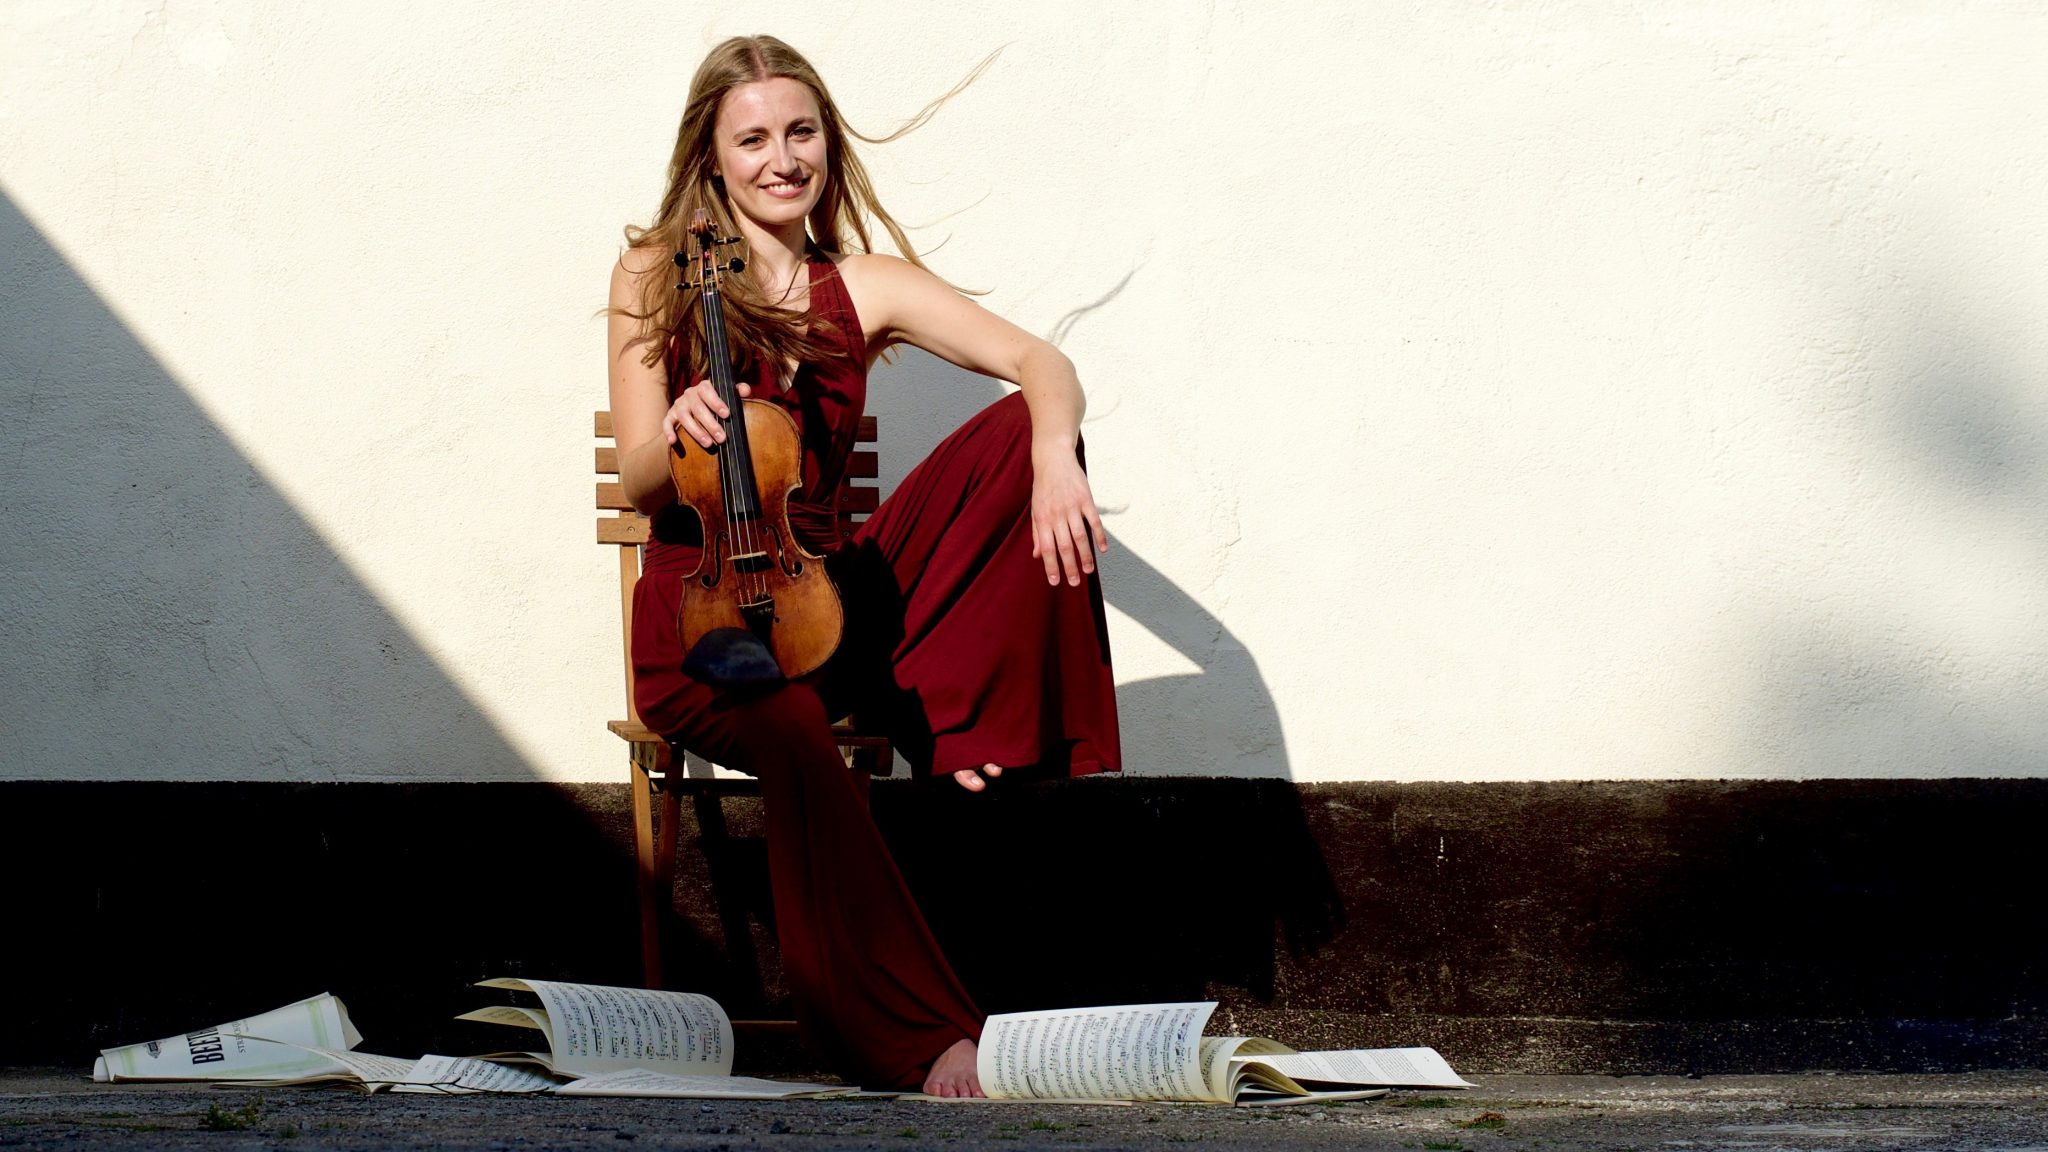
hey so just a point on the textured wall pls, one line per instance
(1479, 391)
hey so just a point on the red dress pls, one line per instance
(955, 646)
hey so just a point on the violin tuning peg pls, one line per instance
(736, 265)
(682, 261)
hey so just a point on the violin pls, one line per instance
(758, 608)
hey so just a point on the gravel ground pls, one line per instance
(50, 1109)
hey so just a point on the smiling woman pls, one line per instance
(974, 631)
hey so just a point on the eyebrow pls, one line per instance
(742, 133)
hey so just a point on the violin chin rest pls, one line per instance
(732, 658)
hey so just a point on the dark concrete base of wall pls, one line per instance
(1615, 927)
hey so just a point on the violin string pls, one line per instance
(712, 351)
(729, 448)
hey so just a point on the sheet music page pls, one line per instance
(1128, 1052)
(641, 1082)
(372, 1069)
(596, 1028)
(462, 1075)
(1372, 1067)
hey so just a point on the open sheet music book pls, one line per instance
(599, 1041)
(1158, 1052)
(608, 1041)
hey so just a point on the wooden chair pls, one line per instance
(660, 774)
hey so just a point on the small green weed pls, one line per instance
(908, 1134)
(1443, 1146)
(1046, 1126)
(239, 1120)
(1421, 1102)
(1486, 1121)
(288, 1132)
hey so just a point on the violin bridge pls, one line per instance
(749, 563)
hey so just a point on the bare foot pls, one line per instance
(971, 778)
(953, 1072)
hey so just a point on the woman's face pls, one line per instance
(768, 145)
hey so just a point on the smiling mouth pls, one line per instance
(787, 188)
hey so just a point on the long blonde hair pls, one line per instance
(838, 223)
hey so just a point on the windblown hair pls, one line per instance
(839, 223)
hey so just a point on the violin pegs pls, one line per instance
(736, 265)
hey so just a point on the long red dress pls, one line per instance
(955, 646)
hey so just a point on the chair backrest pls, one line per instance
(628, 530)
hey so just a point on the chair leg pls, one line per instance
(644, 857)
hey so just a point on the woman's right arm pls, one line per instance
(639, 392)
(644, 423)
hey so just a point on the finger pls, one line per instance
(1042, 548)
(746, 390)
(712, 401)
(1068, 563)
(1077, 529)
(993, 769)
(1100, 535)
(969, 779)
(698, 431)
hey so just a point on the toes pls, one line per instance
(969, 779)
(993, 769)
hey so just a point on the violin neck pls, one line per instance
(735, 459)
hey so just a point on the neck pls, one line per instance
(776, 252)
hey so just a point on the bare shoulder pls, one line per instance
(883, 289)
(876, 270)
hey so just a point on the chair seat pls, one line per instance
(844, 733)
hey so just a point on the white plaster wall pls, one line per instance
(1478, 391)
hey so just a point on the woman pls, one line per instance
(974, 624)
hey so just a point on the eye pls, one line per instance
(750, 141)
(806, 130)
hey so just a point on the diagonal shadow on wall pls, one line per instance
(165, 615)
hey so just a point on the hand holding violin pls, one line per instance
(697, 413)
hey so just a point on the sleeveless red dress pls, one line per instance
(955, 646)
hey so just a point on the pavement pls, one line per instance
(62, 1109)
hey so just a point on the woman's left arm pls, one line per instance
(902, 303)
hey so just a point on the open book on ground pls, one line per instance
(1157, 1052)
(608, 1041)
(600, 1041)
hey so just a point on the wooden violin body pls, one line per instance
(754, 574)
(758, 609)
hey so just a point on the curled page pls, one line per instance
(272, 1045)
(596, 1028)
(1367, 1067)
(641, 1082)
(462, 1075)
(1133, 1052)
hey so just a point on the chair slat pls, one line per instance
(866, 432)
(607, 461)
(863, 465)
(604, 424)
(612, 495)
(852, 499)
(622, 529)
